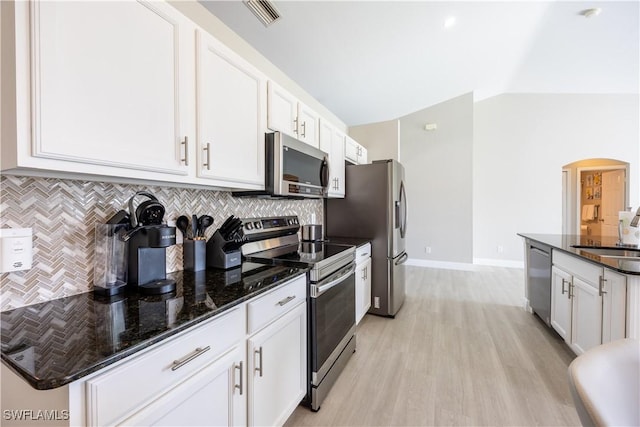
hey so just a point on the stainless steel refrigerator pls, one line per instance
(375, 207)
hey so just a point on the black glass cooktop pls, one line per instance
(303, 254)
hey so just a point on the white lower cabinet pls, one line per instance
(363, 281)
(216, 396)
(277, 368)
(561, 302)
(588, 302)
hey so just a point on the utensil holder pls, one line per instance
(194, 255)
(223, 253)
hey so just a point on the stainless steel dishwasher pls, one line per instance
(539, 279)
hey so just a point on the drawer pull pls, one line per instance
(177, 364)
(563, 290)
(286, 300)
(259, 352)
(239, 386)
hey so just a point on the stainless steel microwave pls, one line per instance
(293, 169)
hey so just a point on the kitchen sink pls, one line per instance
(621, 253)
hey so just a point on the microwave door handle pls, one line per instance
(324, 173)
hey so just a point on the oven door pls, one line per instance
(332, 319)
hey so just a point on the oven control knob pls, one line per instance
(257, 224)
(249, 226)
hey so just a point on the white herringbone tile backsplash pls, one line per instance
(63, 213)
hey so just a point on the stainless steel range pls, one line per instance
(331, 294)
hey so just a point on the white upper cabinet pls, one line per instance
(332, 142)
(288, 115)
(108, 84)
(353, 152)
(231, 98)
(308, 122)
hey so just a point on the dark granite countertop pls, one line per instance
(353, 241)
(56, 342)
(567, 243)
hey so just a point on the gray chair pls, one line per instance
(605, 384)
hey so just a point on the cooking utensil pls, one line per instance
(182, 223)
(204, 222)
(194, 226)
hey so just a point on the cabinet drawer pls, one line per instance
(267, 308)
(121, 390)
(363, 252)
(576, 267)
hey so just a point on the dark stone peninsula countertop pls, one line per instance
(56, 342)
(568, 242)
(351, 241)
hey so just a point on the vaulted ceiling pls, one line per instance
(370, 61)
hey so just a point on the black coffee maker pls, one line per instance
(147, 240)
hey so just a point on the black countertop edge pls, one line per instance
(55, 381)
(351, 241)
(579, 246)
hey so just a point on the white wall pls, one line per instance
(521, 142)
(380, 139)
(438, 170)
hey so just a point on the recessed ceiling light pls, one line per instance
(450, 22)
(590, 13)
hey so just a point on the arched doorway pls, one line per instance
(594, 191)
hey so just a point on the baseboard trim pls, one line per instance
(478, 263)
(498, 262)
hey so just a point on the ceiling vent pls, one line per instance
(264, 10)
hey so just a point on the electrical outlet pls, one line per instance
(16, 249)
(376, 302)
(500, 249)
(427, 249)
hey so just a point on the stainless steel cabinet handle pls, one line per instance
(177, 364)
(186, 150)
(366, 272)
(208, 150)
(286, 300)
(295, 125)
(563, 282)
(601, 290)
(239, 386)
(304, 129)
(570, 292)
(259, 369)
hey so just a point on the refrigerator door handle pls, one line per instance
(403, 201)
(403, 258)
(397, 215)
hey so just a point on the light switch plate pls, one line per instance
(16, 249)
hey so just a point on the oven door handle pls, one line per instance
(316, 290)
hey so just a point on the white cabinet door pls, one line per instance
(363, 289)
(586, 316)
(230, 117)
(332, 142)
(363, 158)
(215, 396)
(561, 303)
(351, 150)
(308, 125)
(282, 110)
(277, 366)
(614, 306)
(110, 84)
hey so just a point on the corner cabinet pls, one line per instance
(231, 120)
(588, 302)
(95, 91)
(354, 153)
(332, 143)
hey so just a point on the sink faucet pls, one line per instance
(636, 219)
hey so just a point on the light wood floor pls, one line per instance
(461, 351)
